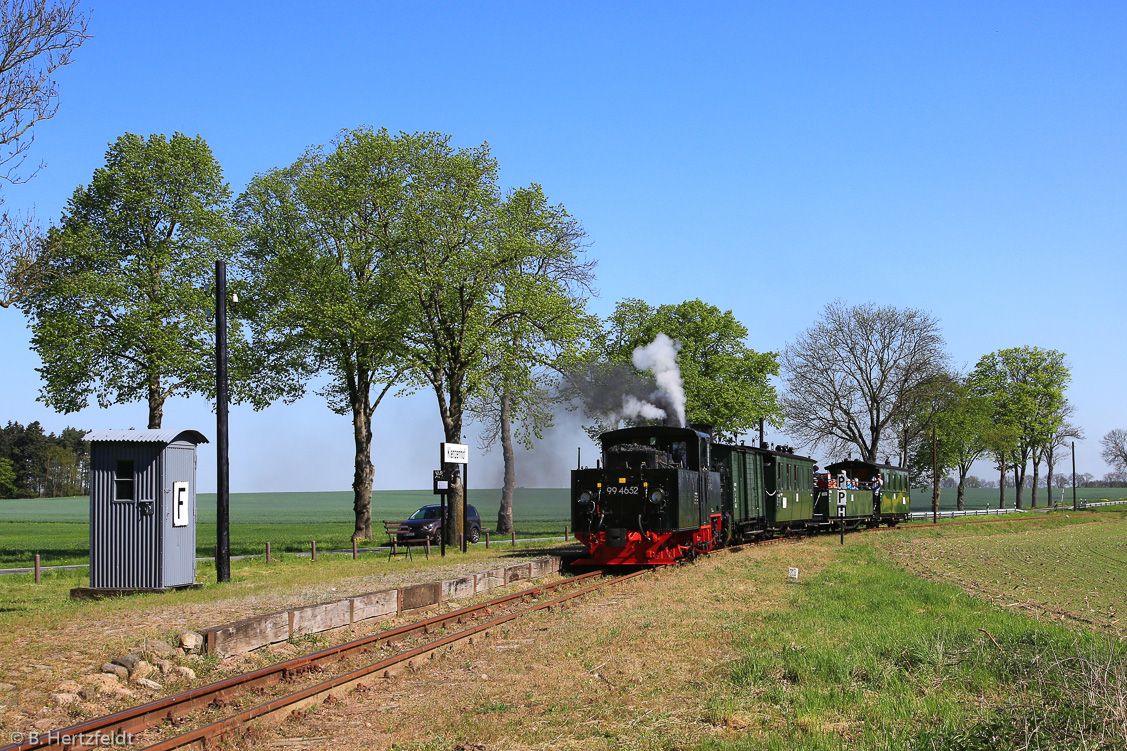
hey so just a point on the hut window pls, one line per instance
(123, 480)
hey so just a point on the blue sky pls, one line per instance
(963, 158)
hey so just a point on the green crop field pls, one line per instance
(57, 528)
(1062, 569)
(981, 498)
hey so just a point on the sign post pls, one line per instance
(441, 488)
(841, 513)
(458, 453)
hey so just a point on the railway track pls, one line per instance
(149, 721)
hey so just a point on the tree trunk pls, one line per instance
(1036, 479)
(452, 425)
(363, 470)
(1019, 486)
(505, 513)
(1002, 485)
(156, 403)
(960, 498)
(1049, 478)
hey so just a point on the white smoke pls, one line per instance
(660, 358)
(632, 407)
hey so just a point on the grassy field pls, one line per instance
(57, 528)
(870, 656)
(975, 636)
(728, 654)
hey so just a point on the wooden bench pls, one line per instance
(396, 528)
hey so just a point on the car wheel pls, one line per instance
(475, 534)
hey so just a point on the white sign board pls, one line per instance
(180, 508)
(793, 572)
(841, 503)
(455, 453)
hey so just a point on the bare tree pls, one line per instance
(20, 241)
(37, 37)
(1115, 449)
(857, 372)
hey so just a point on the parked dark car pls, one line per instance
(427, 522)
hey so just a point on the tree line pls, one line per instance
(34, 464)
(878, 380)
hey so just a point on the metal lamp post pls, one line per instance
(223, 468)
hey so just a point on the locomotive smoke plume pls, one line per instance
(660, 358)
(632, 407)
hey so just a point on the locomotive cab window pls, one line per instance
(123, 480)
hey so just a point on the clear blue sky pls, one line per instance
(964, 158)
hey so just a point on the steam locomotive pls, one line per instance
(661, 494)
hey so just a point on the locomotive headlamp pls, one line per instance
(657, 497)
(585, 497)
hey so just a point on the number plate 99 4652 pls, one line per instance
(623, 490)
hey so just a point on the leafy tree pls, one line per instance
(726, 383)
(120, 313)
(43, 464)
(859, 372)
(7, 478)
(37, 37)
(545, 290)
(460, 251)
(320, 234)
(960, 427)
(1026, 387)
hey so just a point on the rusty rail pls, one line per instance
(310, 694)
(173, 708)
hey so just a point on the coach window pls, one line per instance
(123, 480)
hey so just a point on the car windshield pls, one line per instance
(427, 512)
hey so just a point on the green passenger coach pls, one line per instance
(763, 491)
(890, 504)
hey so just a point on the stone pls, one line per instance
(123, 693)
(141, 670)
(128, 661)
(164, 666)
(191, 642)
(44, 724)
(7, 687)
(103, 682)
(68, 687)
(157, 650)
(90, 710)
(181, 673)
(63, 700)
(111, 669)
(146, 683)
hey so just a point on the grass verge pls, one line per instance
(869, 656)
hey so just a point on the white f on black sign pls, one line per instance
(455, 453)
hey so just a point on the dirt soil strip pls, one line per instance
(281, 708)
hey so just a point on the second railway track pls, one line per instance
(147, 723)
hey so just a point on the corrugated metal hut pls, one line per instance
(143, 508)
